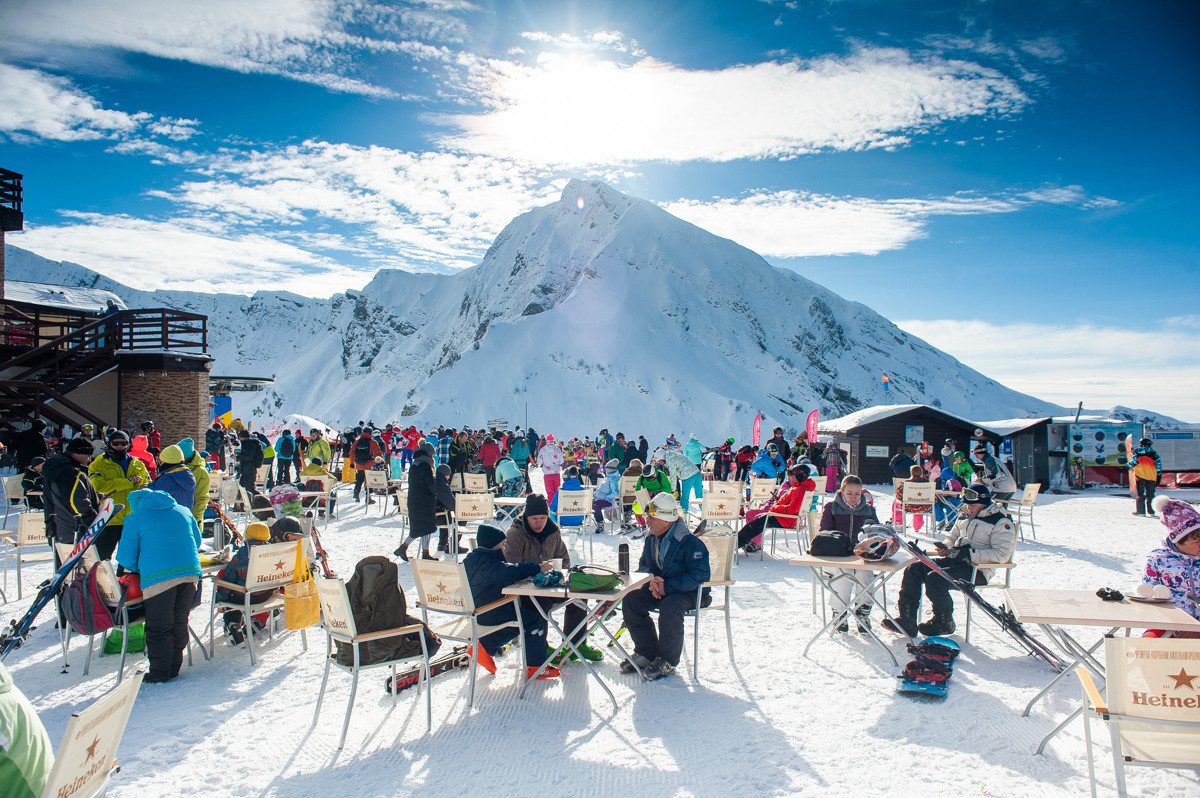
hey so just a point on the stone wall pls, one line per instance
(176, 401)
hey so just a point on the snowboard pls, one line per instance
(929, 673)
(450, 662)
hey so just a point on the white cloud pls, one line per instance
(35, 104)
(1156, 369)
(583, 110)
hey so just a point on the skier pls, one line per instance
(1146, 468)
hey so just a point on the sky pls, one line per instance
(1013, 182)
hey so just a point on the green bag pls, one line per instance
(593, 578)
(137, 639)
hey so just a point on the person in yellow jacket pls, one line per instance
(115, 473)
(195, 464)
(318, 447)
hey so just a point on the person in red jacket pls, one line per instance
(789, 500)
(489, 455)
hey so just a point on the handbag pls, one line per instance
(831, 544)
(301, 606)
(593, 578)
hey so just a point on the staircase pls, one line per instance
(47, 352)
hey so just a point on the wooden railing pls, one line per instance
(42, 330)
(10, 190)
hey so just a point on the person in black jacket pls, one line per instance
(71, 501)
(250, 459)
(30, 443)
(781, 445)
(422, 501)
(214, 443)
(31, 482)
(488, 574)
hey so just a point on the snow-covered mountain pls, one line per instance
(599, 310)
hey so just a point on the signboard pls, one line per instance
(877, 451)
(1101, 444)
(498, 423)
(1179, 449)
(914, 434)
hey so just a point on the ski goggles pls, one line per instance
(970, 496)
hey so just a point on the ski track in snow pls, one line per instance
(776, 723)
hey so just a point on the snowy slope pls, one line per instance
(597, 310)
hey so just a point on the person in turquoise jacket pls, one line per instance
(161, 544)
(694, 450)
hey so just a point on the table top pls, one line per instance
(897, 562)
(526, 587)
(508, 501)
(1085, 608)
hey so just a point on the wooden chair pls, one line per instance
(721, 542)
(442, 587)
(913, 497)
(28, 544)
(576, 504)
(271, 566)
(87, 756)
(1021, 508)
(1149, 725)
(338, 620)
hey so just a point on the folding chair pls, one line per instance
(377, 482)
(1022, 509)
(456, 483)
(537, 480)
(913, 497)
(476, 483)
(1150, 724)
(87, 756)
(761, 490)
(338, 620)
(1007, 568)
(271, 566)
(13, 492)
(28, 544)
(576, 504)
(442, 587)
(628, 489)
(721, 543)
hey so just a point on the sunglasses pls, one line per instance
(118, 444)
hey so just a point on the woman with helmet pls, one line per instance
(789, 500)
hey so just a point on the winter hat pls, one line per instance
(80, 446)
(257, 531)
(426, 448)
(535, 504)
(119, 434)
(488, 536)
(1180, 518)
(550, 438)
(171, 455)
(188, 447)
(613, 463)
(37, 461)
(663, 504)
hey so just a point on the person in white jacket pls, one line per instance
(998, 479)
(550, 458)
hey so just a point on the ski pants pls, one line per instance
(553, 480)
(533, 623)
(667, 640)
(285, 471)
(167, 628)
(845, 584)
(1145, 494)
(937, 589)
(692, 485)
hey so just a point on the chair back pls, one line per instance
(442, 586)
(228, 488)
(896, 484)
(574, 503)
(456, 482)
(916, 494)
(761, 489)
(12, 487)
(31, 529)
(1143, 676)
(721, 548)
(375, 480)
(718, 507)
(628, 487)
(271, 565)
(477, 507)
(335, 608)
(1030, 493)
(537, 480)
(106, 577)
(815, 501)
(88, 750)
(260, 476)
(724, 488)
(476, 483)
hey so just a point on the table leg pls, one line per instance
(1042, 745)
(1079, 656)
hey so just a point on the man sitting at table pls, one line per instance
(678, 563)
(982, 534)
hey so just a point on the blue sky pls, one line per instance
(1014, 182)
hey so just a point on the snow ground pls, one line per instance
(776, 723)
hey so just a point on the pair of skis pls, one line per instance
(1001, 615)
(20, 628)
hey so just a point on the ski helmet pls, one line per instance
(977, 493)
(1145, 442)
(875, 543)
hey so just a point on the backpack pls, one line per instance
(362, 451)
(81, 603)
(378, 603)
(287, 447)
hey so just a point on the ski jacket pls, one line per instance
(422, 496)
(411, 439)
(366, 449)
(250, 456)
(160, 539)
(767, 466)
(319, 447)
(992, 535)
(900, 465)
(694, 451)
(522, 544)
(71, 501)
(681, 467)
(489, 453)
(114, 478)
(214, 439)
(550, 458)
(840, 516)
(488, 574)
(782, 447)
(443, 449)
(234, 572)
(1146, 464)
(203, 481)
(685, 566)
(1168, 566)
(791, 501)
(659, 483)
(506, 469)
(520, 452)
(610, 487)
(459, 455)
(177, 481)
(996, 476)
(26, 753)
(615, 452)
(285, 446)
(377, 603)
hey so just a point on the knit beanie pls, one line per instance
(171, 455)
(535, 504)
(1180, 518)
(488, 536)
(257, 531)
(188, 447)
(80, 446)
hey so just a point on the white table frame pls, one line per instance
(509, 507)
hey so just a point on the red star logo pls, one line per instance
(279, 565)
(91, 749)
(474, 508)
(441, 587)
(720, 505)
(1183, 678)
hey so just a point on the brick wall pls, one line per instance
(176, 401)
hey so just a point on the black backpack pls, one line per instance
(287, 447)
(362, 451)
(378, 603)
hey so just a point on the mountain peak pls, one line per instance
(595, 198)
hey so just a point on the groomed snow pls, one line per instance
(777, 723)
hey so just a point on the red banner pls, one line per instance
(757, 428)
(811, 427)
